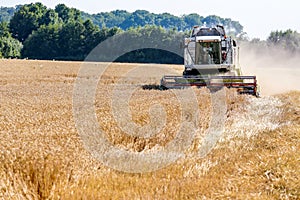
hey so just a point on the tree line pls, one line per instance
(126, 20)
(37, 32)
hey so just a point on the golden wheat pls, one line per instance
(42, 156)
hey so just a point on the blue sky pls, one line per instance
(258, 17)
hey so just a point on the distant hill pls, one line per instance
(125, 20)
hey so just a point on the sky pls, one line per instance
(259, 17)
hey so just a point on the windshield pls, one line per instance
(208, 53)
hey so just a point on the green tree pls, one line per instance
(90, 36)
(138, 18)
(289, 39)
(192, 20)
(169, 21)
(43, 43)
(126, 20)
(9, 47)
(234, 28)
(6, 13)
(62, 33)
(128, 45)
(71, 40)
(27, 19)
(4, 30)
(212, 20)
(275, 37)
(67, 14)
(50, 17)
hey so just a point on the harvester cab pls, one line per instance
(209, 51)
(211, 59)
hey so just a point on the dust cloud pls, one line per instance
(277, 70)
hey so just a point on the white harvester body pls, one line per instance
(211, 59)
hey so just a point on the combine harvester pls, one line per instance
(211, 59)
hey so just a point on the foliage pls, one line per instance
(193, 19)
(43, 43)
(9, 47)
(4, 30)
(50, 17)
(67, 14)
(63, 35)
(27, 19)
(6, 13)
(149, 44)
(289, 40)
(164, 46)
(68, 34)
(66, 41)
(126, 20)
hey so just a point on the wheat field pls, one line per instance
(42, 155)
